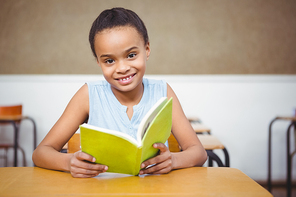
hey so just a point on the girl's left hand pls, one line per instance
(162, 163)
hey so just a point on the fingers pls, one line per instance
(161, 168)
(164, 154)
(159, 164)
(83, 156)
(80, 166)
(87, 173)
(162, 148)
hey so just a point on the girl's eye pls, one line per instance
(109, 61)
(131, 55)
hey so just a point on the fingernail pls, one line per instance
(142, 165)
(93, 159)
(106, 168)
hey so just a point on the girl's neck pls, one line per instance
(130, 98)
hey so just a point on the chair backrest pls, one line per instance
(173, 144)
(74, 144)
(13, 110)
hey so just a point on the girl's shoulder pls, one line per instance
(155, 87)
(149, 81)
(97, 83)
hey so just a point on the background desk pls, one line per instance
(197, 181)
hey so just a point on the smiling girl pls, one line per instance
(120, 44)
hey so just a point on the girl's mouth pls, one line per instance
(126, 80)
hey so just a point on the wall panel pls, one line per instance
(187, 37)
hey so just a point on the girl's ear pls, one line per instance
(148, 50)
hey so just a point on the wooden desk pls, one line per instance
(200, 128)
(197, 181)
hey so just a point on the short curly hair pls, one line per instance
(116, 17)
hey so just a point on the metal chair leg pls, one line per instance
(6, 155)
(210, 160)
(6, 162)
(289, 162)
(269, 156)
(24, 156)
(227, 162)
(214, 157)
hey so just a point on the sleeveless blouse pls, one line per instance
(107, 112)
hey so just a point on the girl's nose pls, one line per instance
(122, 67)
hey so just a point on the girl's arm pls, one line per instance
(48, 155)
(192, 154)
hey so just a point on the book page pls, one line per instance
(149, 117)
(112, 132)
(158, 131)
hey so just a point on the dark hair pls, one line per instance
(116, 17)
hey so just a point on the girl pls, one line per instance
(119, 42)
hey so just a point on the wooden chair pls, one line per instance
(73, 144)
(8, 115)
(173, 144)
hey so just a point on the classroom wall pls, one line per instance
(237, 108)
(186, 37)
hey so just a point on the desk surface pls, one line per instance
(200, 128)
(210, 142)
(291, 118)
(197, 181)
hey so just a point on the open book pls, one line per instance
(121, 152)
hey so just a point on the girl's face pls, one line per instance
(122, 55)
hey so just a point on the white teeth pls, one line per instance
(124, 79)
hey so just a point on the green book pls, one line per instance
(121, 152)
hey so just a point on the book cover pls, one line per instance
(122, 153)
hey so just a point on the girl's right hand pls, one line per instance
(82, 166)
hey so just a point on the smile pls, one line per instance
(127, 78)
